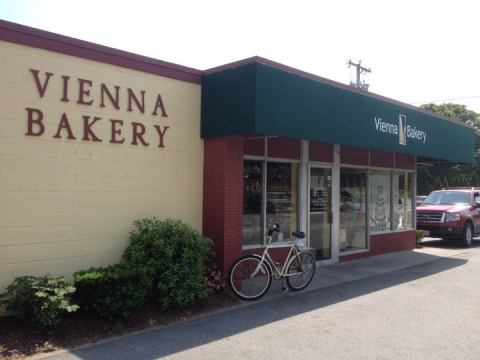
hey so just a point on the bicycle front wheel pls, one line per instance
(300, 271)
(250, 277)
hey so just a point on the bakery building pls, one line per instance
(93, 138)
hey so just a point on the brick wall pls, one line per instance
(223, 197)
(385, 243)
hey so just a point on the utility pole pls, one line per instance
(360, 69)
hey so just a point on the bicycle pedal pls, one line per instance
(284, 288)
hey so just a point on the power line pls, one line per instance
(442, 100)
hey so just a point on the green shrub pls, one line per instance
(40, 300)
(177, 255)
(113, 291)
(420, 234)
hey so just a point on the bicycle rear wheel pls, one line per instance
(249, 277)
(300, 271)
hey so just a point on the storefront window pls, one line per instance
(252, 202)
(379, 201)
(281, 200)
(402, 188)
(282, 197)
(320, 224)
(353, 209)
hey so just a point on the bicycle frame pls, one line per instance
(278, 272)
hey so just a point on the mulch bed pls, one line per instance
(18, 340)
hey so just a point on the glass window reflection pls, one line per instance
(353, 209)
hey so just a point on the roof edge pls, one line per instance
(25, 35)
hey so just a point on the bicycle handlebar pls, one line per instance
(275, 227)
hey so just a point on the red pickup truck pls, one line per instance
(451, 213)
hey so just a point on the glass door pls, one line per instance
(320, 211)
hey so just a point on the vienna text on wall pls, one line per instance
(87, 93)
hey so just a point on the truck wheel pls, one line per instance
(467, 236)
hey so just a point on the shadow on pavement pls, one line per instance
(448, 243)
(187, 335)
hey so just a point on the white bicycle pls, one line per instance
(250, 276)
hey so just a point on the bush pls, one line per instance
(177, 254)
(419, 235)
(40, 300)
(113, 291)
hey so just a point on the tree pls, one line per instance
(455, 111)
(448, 174)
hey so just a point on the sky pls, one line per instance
(419, 51)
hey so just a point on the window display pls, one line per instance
(282, 184)
(281, 200)
(371, 202)
(320, 211)
(252, 202)
(379, 201)
(353, 209)
(402, 185)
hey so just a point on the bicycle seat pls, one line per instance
(298, 234)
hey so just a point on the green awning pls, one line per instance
(259, 96)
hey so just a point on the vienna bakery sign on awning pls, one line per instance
(89, 94)
(402, 130)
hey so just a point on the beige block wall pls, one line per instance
(66, 205)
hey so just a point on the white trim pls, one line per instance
(262, 158)
(404, 169)
(381, 168)
(303, 188)
(367, 205)
(250, 247)
(336, 203)
(413, 191)
(354, 166)
(390, 232)
(312, 165)
(353, 252)
(264, 191)
(282, 160)
(414, 194)
(392, 205)
(321, 164)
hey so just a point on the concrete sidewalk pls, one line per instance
(332, 275)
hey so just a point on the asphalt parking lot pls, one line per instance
(416, 304)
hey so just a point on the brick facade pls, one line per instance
(223, 206)
(385, 243)
(223, 197)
